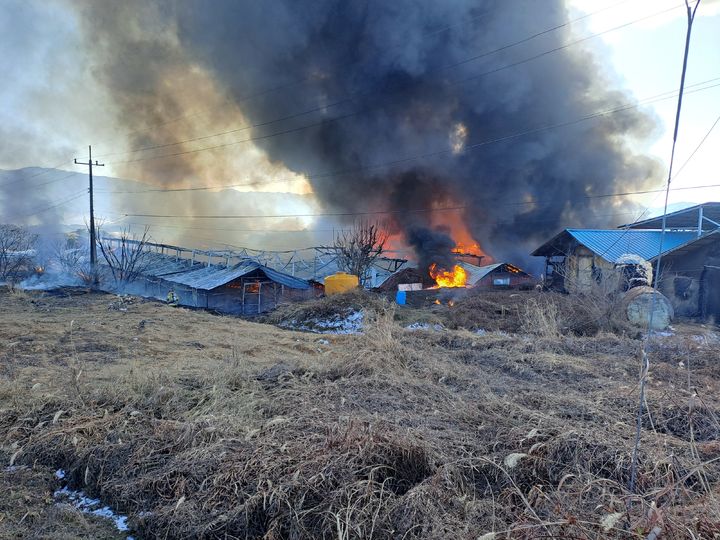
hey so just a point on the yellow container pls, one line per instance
(340, 283)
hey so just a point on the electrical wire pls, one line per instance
(52, 169)
(383, 212)
(56, 205)
(448, 151)
(653, 99)
(702, 141)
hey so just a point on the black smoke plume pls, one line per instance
(406, 111)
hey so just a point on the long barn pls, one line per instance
(243, 288)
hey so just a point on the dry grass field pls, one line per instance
(201, 426)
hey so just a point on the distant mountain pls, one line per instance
(56, 200)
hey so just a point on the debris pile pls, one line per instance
(121, 302)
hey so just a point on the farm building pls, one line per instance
(244, 288)
(690, 262)
(497, 276)
(491, 276)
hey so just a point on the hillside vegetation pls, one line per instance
(201, 426)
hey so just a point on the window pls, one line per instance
(502, 282)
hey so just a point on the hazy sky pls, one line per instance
(51, 106)
(647, 57)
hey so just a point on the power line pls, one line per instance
(387, 212)
(627, 227)
(56, 205)
(46, 170)
(351, 97)
(646, 101)
(645, 368)
(702, 141)
(448, 151)
(205, 188)
(481, 143)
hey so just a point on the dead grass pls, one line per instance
(200, 426)
(326, 307)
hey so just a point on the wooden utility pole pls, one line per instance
(93, 240)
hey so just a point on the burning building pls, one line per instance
(498, 276)
(462, 275)
(465, 122)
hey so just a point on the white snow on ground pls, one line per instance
(425, 326)
(89, 506)
(351, 323)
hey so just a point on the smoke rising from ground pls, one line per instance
(375, 76)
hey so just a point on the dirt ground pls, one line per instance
(201, 426)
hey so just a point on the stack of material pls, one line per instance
(638, 304)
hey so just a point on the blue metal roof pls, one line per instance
(611, 244)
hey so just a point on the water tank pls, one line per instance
(340, 283)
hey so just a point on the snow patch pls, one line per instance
(89, 505)
(425, 326)
(350, 323)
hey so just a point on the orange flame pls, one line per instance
(467, 249)
(445, 278)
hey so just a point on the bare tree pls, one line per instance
(17, 250)
(358, 248)
(74, 259)
(126, 255)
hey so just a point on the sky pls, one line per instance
(53, 106)
(647, 59)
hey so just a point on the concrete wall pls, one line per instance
(583, 269)
(691, 284)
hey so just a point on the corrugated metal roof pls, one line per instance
(687, 218)
(611, 244)
(285, 279)
(209, 277)
(476, 273)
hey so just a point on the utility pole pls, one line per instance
(93, 240)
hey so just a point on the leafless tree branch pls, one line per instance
(358, 248)
(126, 256)
(17, 254)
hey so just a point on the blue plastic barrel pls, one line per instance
(400, 297)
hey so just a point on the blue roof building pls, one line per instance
(688, 250)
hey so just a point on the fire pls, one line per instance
(467, 249)
(445, 278)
